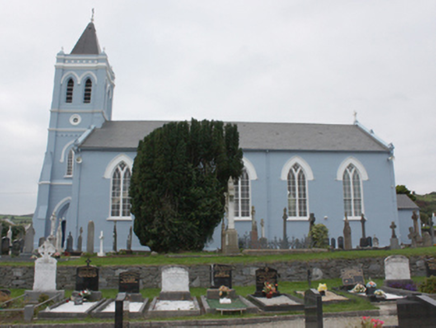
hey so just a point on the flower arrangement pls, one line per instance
(359, 288)
(322, 288)
(371, 284)
(224, 291)
(367, 322)
(379, 293)
(85, 294)
(269, 289)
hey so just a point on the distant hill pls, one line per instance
(18, 219)
(426, 203)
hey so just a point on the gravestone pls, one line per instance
(347, 234)
(79, 240)
(431, 224)
(416, 311)
(254, 238)
(101, 252)
(264, 275)
(90, 239)
(426, 239)
(45, 269)
(363, 240)
(129, 239)
(341, 242)
(16, 247)
(397, 269)
(28, 239)
(87, 277)
(114, 241)
(333, 243)
(5, 246)
(394, 244)
(417, 236)
(69, 243)
(369, 241)
(175, 283)
(313, 309)
(263, 241)
(128, 282)
(221, 275)
(352, 276)
(413, 236)
(230, 245)
(375, 242)
(285, 244)
(430, 267)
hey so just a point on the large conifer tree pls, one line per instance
(178, 182)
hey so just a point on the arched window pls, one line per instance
(88, 90)
(352, 187)
(70, 88)
(297, 192)
(70, 161)
(120, 200)
(242, 195)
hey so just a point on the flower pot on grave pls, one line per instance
(269, 295)
(370, 291)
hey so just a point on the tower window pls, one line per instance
(70, 88)
(70, 161)
(88, 90)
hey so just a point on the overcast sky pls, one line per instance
(268, 61)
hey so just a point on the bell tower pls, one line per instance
(82, 101)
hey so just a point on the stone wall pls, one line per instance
(243, 275)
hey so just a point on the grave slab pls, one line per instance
(280, 303)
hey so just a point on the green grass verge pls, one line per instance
(208, 258)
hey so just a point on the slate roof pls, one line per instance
(88, 42)
(125, 135)
(405, 203)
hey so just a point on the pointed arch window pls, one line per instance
(242, 195)
(297, 192)
(70, 161)
(70, 89)
(88, 91)
(352, 187)
(120, 199)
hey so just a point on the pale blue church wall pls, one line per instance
(405, 219)
(325, 195)
(94, 202)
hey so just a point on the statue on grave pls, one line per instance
(262, 228)
(53, 224)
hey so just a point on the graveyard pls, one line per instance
(186, 286)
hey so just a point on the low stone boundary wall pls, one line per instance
(243, 274)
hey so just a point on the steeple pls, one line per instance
(88, 42)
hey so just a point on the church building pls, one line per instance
(326, 169)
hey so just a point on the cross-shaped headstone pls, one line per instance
(46, 250)
(393, 226)
(88, 261)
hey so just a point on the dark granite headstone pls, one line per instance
(128, 282)
(363, 242)
(87, 278)
(5, 246)
(119, 310)
(341, 242)
(416, 311)
(369, 241)
(430, 267)
(333, 243)
(352, 276)
(16, 247)
(264, 275)
(69, 243)
(221, 275)
(41, 241)
(313, 309)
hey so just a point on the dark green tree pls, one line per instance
(178, 182)
(402, 189)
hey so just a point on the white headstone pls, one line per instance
(397, 268)
(101, 253)
(175, 279)
(45, 269)
(59, 240)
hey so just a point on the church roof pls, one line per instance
(252, 136)
(88, 42)
(405, 203)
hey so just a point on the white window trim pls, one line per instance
(110, 168)
(309, 177)
(252, 175)
(72, 164)
(363, 177)
(64, 151)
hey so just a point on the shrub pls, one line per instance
(320, 235)
(429, 285)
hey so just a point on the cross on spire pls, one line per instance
(92, 16)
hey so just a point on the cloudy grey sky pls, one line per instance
(236, 60)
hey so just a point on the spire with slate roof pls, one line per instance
(88, 42)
